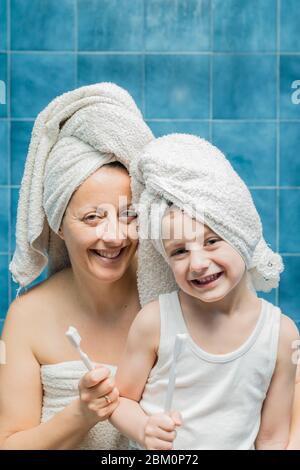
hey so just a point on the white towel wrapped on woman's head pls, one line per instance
(75, 135)
(195, 176)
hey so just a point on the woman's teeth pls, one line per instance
(108, 254)
(207, 279)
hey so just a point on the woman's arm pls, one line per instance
(276, 412)
(294, 443)
(21, 397)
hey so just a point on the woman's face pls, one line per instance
(99, 226)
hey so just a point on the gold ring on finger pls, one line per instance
(108, 400)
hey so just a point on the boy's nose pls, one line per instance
(199, 262)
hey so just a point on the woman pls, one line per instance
(75, 209)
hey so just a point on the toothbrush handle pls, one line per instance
(170, 389)
(85, 359)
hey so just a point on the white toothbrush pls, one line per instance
(178, 347)
(75, 339)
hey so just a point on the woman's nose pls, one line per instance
(110, 232)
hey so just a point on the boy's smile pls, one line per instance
(207, 280)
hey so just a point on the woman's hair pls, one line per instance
(116, 164)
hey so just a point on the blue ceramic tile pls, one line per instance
(290, 221)
(177, 86)
(269, 296)
(125, 70)
(38, 25)
(3, 85)
(241, 26)
(289, 301)
(3, 25)
(290, 86)
(15, 286)
(20, 138)
(251, 149)
(37, 79)
(1, 326)
(110, 25)
(289, 159)
(182, 25)
(4, 157)
(265, 203)
(4, 301)
(4, 217)
(160, 128)
(13, 211)
(244, 87)
(289, 25)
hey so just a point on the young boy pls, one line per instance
(235, 375)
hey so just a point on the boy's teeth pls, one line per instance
(108, 254)
(206, 279)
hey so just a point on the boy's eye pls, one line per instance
(128, 215)
(212, 241)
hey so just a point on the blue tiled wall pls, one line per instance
(222, 69)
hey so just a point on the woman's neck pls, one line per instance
(98, 298)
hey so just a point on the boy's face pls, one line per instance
(204, 265)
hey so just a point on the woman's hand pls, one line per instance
(160, 431)
(98, 395)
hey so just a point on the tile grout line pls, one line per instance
(143, 65)
(191, 53)
(264, 188)
(76, 42)
(278, 11)
(210, 122)
(219, 121)
(9, 145)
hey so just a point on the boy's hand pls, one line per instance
(160, 431)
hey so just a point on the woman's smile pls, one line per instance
(109, 257)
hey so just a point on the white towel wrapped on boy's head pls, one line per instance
(195, 176)
(76, 134)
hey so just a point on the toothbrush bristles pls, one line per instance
(74, 337)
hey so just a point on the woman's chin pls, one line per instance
(109, 270)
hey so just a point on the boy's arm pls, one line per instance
(137, 361)
(294, 443)
(276, 412)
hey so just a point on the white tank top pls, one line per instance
(220, 396)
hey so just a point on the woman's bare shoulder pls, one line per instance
(41, 298)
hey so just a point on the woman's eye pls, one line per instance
(93, 217)
(180, 251)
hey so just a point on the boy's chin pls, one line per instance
(208, 296)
